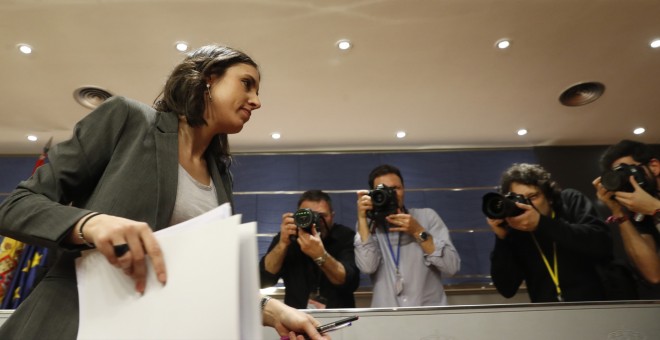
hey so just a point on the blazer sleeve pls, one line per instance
(43, 209)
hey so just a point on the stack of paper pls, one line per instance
(211, 291)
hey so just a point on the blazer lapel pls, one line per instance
(167, 162)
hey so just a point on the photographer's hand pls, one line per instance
(606, 197)
(639, 200)
(364, 204)
(311, 244)
(498, 227)
(274, 259)
(527, 221)
(404, 223)
(288, 228)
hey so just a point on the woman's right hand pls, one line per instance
(107, 231)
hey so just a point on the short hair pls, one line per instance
(315, 196)
(640, 152)
(382, 170)
(532, 174)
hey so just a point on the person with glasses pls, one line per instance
(313, 255)
(554, 243)
(634, 205)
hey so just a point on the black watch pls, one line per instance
(423, 236)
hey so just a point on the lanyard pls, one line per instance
(554, 273)
(398, 250)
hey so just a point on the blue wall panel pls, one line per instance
(450, 182)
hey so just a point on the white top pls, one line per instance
(192, 198)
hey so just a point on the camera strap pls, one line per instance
(554, 272)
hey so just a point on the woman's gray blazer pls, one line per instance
(122, 160)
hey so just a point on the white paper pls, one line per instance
(212, 280)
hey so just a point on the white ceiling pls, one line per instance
(427, 67)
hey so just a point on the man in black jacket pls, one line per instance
(629, 188)
(554, 242)
(316, 262)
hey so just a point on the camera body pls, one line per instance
(305, 219)
(385, 203)
(618, 178)
(498, 206)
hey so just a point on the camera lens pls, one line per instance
(497, 207)
(378, 197)
(613, 180)
(304, 218)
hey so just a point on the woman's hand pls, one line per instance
(106, 231)
(289, 321)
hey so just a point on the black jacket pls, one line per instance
(301, 275)
(583, 244)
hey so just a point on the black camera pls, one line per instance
(618, 179)
(305, 219)
(385, 203)
(498, 206)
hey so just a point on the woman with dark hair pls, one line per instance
(128, 171)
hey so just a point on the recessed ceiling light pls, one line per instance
(400, 134)
(503, 44)
(344, 44)
(25, 48)
(639, 130)
(32, 138)
(655, 43)
(522, 132)
(181, 46)
(276, 135)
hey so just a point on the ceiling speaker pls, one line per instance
(91, 96)
(582, 94)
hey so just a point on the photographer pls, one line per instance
(553, 241)
(314, 256)
(629, 188)
(407, 252)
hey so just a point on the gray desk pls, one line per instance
(638, 320)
